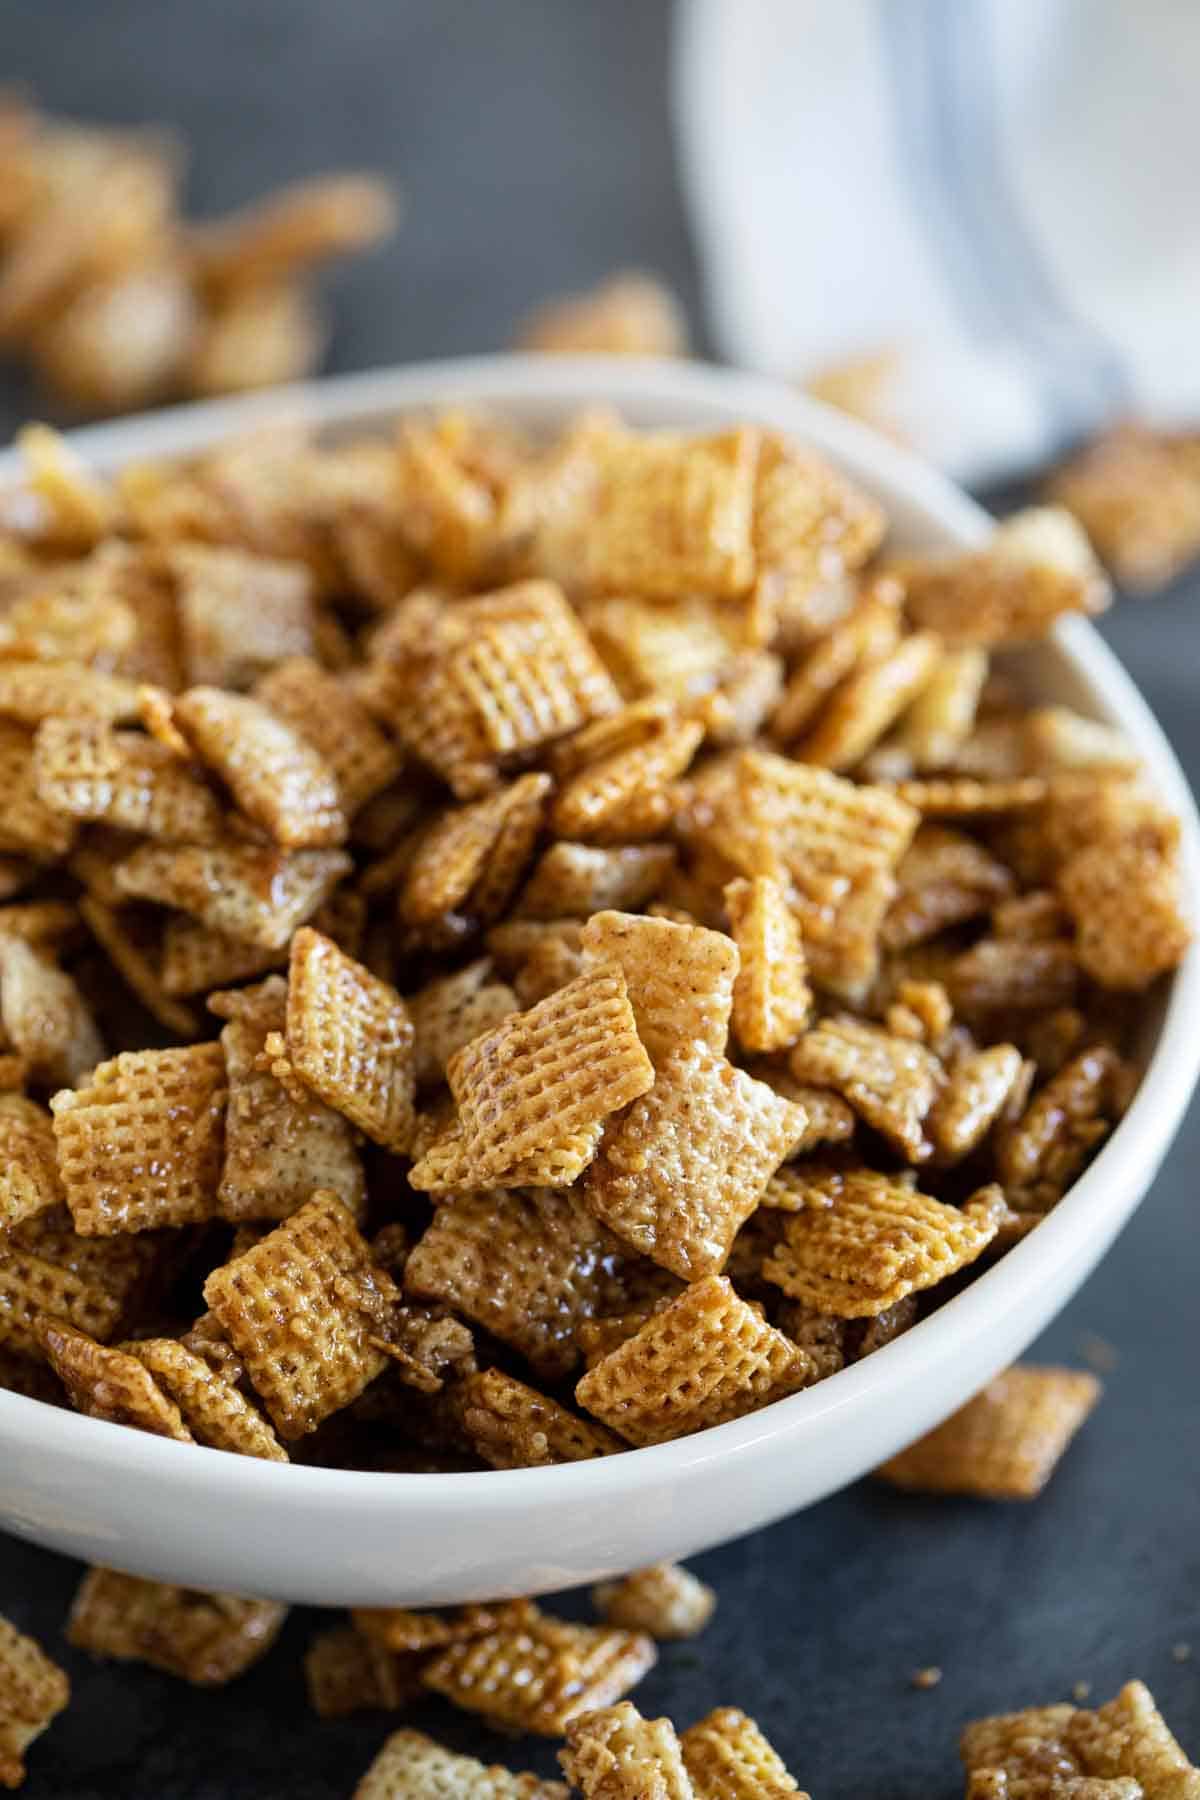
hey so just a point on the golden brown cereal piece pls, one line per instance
(1129, 1736)
(616, 1754)
(293, 228)
(33, 691)
(257, 337)
(473, 857)
(123, 778)
(1062, 1124)
(748, 690)
(196, 959)
(999, 975)
(46, 924)
(448, 511)
(1127, 906)
(680, 978)
(132, 939)
(411, 1766)
(96, 858)
(942, 717)
(676, 652)
(1136, 492)
(866, 1240)
(345, 1673)
(1032, 917)
(728, 1758)
(206, 1639)
(250, 893)
(625, 792)
(892, 1082)
(811, 525)
(82, 509)
(139, 1146)
(978, 1089)
(577, 880)
(119, 343)
(665, 1600)
(206, 1340)
(630, 313)
(33, 1690)
(28, 1167)
(350, 1039)
(239, 614)
(44, 1017)
(922, 1010)
(704, 1358)
(278, 1149)
(1057, 738)
(27, 824)
(326, 714)
(448, 1163)
(512, 1426)
(944, 878)
(870, 700)
(215, 1411)
(685, 1166)
(822, 1116)
(669, 515)
(32, 1287)
(1029, 1746)
(540, 1077)
(1084, 808)
(771, 995)
(965, 797)
(451, 1010)
(108, 1384)
(539, 1675)
(1037, 565)
(530, 1268)
(276, 778)
(1004, 1444)
(301, 1308)
(398, 1629)
(867, 635)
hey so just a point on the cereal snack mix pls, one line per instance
(666, 1600)
(517, 945)
(411, 1765)
(1006, 1442)
(207, 1639)
(33, 1690)
(1121, 1751)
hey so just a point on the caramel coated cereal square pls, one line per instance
(106, 1383)
(451, 1010)
(577, 880)
(87, 770)
(33, 1691)
(205, 1639)
(132, 938)
(666, 1600)
(1127, 903)
(728, 1758)
(248, 893)
(545, 1074)
(472, 859)
(399, 1629)
(28, 1165)
(771, 995)
(627, 792)
(892, 1082)
(687, 1163)
(979, 1087)
(215, 1411)
(1128, 1736)
(350, 1039)
(274, 775)
(33, 691)
(680, 978)
(239, 613)
(944, 878)
(704, 1358)
(512, 1426)
(616, 1754)
(1028, 1746)
(302, 1308)
(530, 1268)
(139, 1145)
(44, 1017)
(345, 1672)
(27, 824)
(326, 715)
(866, 1240)
(538, 1676)
(1037, 565)
(1006, 1442)
(278, 1148)
(411, 1766)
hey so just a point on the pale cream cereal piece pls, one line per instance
(666, 1600)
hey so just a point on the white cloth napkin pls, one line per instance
(1005, 192)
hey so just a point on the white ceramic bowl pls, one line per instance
(206, 1518)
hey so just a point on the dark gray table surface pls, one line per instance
(532, 144)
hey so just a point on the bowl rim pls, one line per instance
(1095, 1206)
